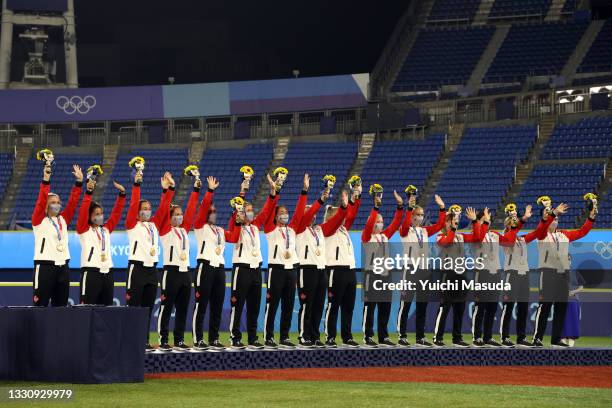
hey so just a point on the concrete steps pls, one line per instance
(196, 151)
(487, 58)
(482, 14)
(281, 145)
(554, 11)
(109, 160)
(569, 69)
(365, 147)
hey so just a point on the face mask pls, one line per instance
(98, 219)
(212, 218)
(55, 208)
(145, 214)
(283, 219)
(378, 226)
(177, 220)
(250, 216)
(417, 220)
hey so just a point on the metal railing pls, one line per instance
(218, 131)
(179, 133)
(92, 136)
(8, 140)
(130, 135)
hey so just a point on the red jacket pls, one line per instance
(162, 211)
(40, 209)
(366, 234)
(111, 222)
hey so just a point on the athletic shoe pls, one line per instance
(306, 344)
(537, 343)
(217, 345)
(368, 342)
(201, 345)
(149, 347)
(460, 343)
(285, 343)
(181, 346)
(423, 343)
(351, 343)
(403, 341)
(506, 342)
(270, 344)
(255, 345)
(560, 344)
(319, 344)
(439, 343)
(331, 343)
(523, 343)
(492, 343)
(386, 342)
(165, 347)
(237, 344)
(478, 343)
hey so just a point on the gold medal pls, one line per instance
(153, 251)
(183, 256)
(218, 250)
(60, 247)
(103, 257)
(317, 252)
(254, 253)
(287, 254)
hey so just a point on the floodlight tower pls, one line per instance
(37, 18)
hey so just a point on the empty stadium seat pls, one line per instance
(589, 138)
(6, 170)
(599, 57)
(510, 8)
(453, 9)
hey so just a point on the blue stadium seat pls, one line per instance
(599, 57)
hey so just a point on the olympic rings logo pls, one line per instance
(74, 104)
(604, 249)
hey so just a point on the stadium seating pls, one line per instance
(565, 183)
(62, 181)
(599, 57)
(604, 216)
(395, 165)
(224, 164)
(6, 170)
(519, 8)
(482, 168)
(591, 137)
(541, 49)
(157, 161)
(316, 159)
(453, 9)
(442, 57)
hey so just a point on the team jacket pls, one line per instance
(248, 246)
(95, 240)
(175, 240)
(553, 247)
(211, 238)
(48, 238)
(490, 246)
(416, 239)
(516, 255)
(339, 249)
(452, 243)
(381, 238)
(310, 239)
(281, 239)
(143, 235)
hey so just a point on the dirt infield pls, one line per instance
(569, 376)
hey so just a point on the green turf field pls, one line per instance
(224, 337)
(252, 393)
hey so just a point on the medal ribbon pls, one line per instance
(58, 229)
(314, 234)
(216, 231)
(180, 236)
(151, 233)
(249, 230)
(286, 237)
(419, 234)
(101, 238)
(555, 240)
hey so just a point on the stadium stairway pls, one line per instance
(546, 128)
(487, 57)
(554, 11)
(19, 170)
(454, 136)
(482, 14)
(281, 145)
(569, 69)
(365, 147)
(109, 159)
(196, 151)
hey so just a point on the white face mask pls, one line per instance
(250, 216)
(417, 220)
(145, 215)
(177, 220)
(283, 218)
(378, 226)
(98, 219)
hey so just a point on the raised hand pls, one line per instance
(439, 201)
(398, 199)
(213, 183)
(412, 201)
(377, 201)
(168, 176)
(561, 209)
(47, 173)
(324, 195)
(487, 215)
(272, 184)
(91, 185)
(528, 213)
(470, 213)
(306, 182)
(119, 187)
(244, 186)
(164, 182)
(77, 172)
(344, 198)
